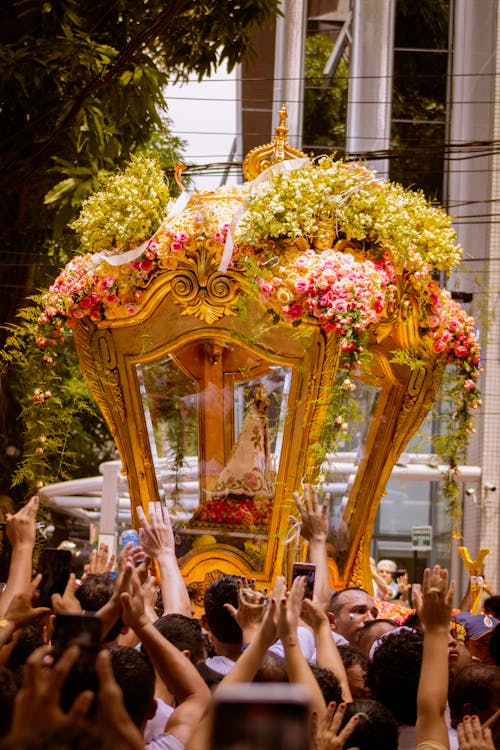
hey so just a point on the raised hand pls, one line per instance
(100, 560)
(37, 704)
(20, 611)
(472, 736)
(67, 603)
(314, 615)
(326, 734)
(156, 535)
(133, 600)
(20, 526)
(289, 609)
(251, 605)
(314, 517)
(434, 602)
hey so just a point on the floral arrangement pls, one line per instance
(376, 233)
(106, 222)
(246, 514)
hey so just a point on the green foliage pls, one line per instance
(64, 435)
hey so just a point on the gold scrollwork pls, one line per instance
(357, 574)
(200, 289)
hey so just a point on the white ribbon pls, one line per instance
(121, 258)
(289, 165)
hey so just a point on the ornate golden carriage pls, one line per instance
(221, 410)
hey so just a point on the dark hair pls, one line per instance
(95, 591)
(491, 606)
(351, 655)
(222, 591)
(135, 675)
(184, 633)
(376, 729)
(29, 639)
(328, 684)
(473, 684)
(335, 602)
(8, 691)
(494, 645)
(394, 672)
(365, 632)
(272, 669)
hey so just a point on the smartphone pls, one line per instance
(305, 569)
(84, 630)
(268, 716)
(55, 567)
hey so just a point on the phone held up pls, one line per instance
(308, 570)
(55, 567)
(261, 715)
(84, 631)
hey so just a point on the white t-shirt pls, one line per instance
(156, 725)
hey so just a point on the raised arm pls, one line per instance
(21, 534)
(434, 606)
(157, 539)
(261, 637)
(314, 528)
(327, 653)
(176, 672)
(297, 667)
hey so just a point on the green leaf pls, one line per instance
(59, 190)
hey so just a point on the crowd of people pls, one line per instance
(257, 669)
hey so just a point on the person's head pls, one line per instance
(476, 691)
(376, 728)
(394, 672)
(95, 591)
(491, 606)
(349, 610)
(372, 632)
(29, 638)
(356, 665)
(328, 684)
(185, 634)
(459, 657)
(217, 619)
(272, 669)
(135, 675)
(385, 569)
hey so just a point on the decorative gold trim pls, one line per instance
(199, 288)
(262, 157)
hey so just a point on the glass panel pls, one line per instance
(342, 459)
(406, 504)
(215, 415)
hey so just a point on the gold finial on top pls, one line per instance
(262, 157)
(280, 138)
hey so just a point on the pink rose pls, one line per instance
(301, 286)
(295, 310)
